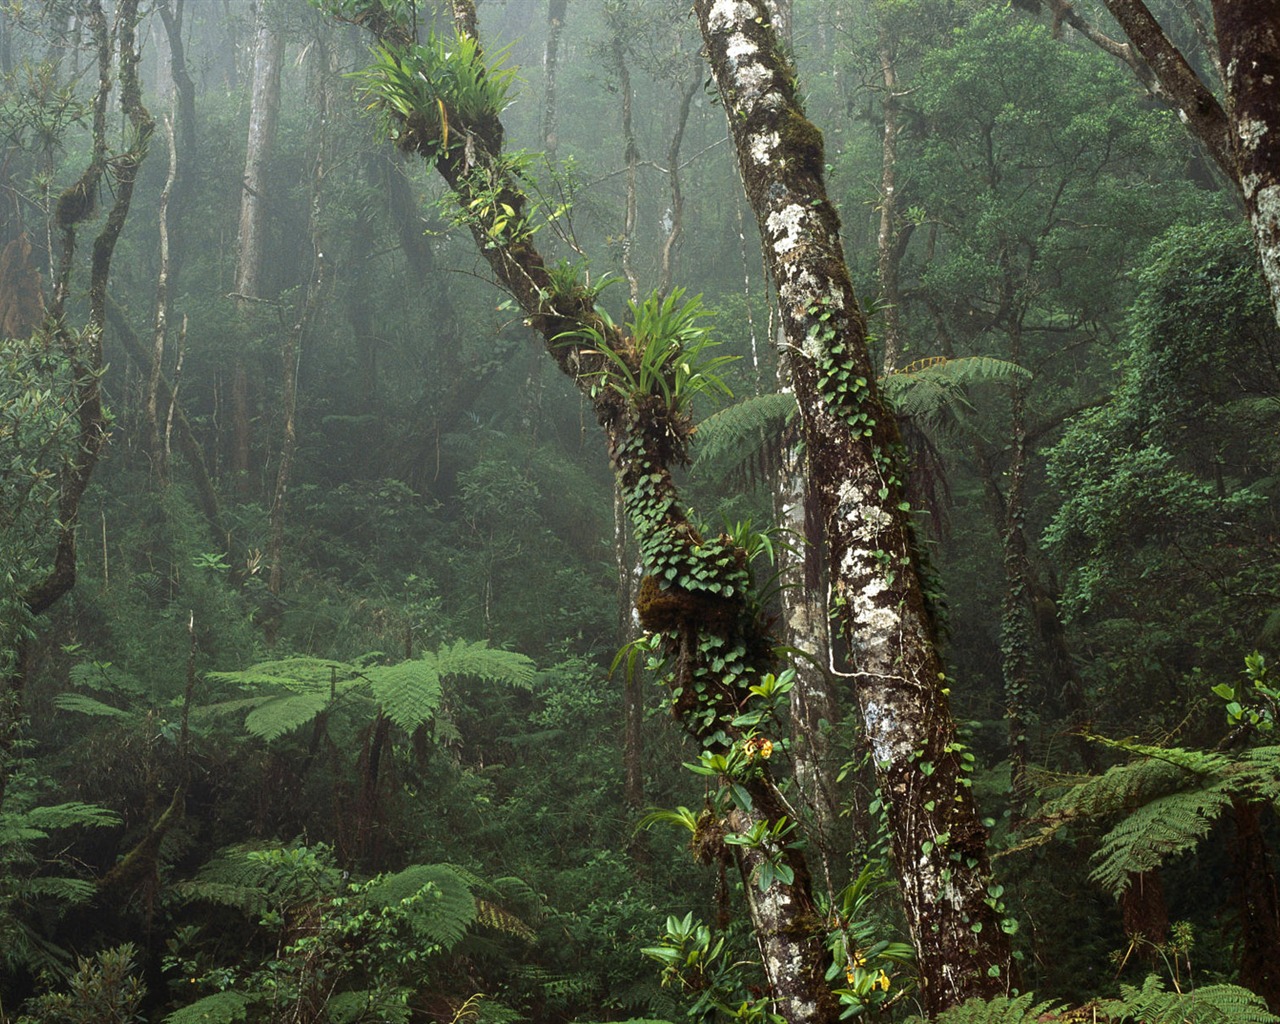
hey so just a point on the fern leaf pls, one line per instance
(292, 673)
(280, 715)
(408, 692)
(478, 660)
(368, 1005)
(929, 388)
(436, 897)
(1154, 832)
(69, 815)
(88, 706)
(219, 1008)
(502, 920)
(1212, 1004)
(1001, 1010)
(744, 437)
(64, 890)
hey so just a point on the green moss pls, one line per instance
(802, 142)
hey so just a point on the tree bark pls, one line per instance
(878, 602)
(1249, 44)
(699, 627)
(268, 53)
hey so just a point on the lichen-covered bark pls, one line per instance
(1249, 43)
(714, 635)
(1180, 84)
(877, 600)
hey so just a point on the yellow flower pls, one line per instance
(881, 982)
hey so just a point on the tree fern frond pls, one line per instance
(928, 388)
(62, 889)
(1212, 1004)
(480, 661)
(280, 715)
(1000, 1010)
(292, 673)
(86, 705)
(219, 1008)
(1149, 835)
(744, 439)
(502, 920)
(73, 814)
(408, 692)
(438, 899)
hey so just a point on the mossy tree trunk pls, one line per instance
(697, 597)
(877, 598)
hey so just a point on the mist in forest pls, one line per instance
(531, 510)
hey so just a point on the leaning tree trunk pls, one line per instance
(877, 600)
(697, 596)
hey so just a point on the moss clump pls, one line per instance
(802, 142)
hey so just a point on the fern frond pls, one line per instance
(64, 890)
(1212, 1004)
(368, 1005)
(219, 1008)
(438, 901)
(502, 920)
(73, 814)
(480, 661)
(929, 388)
(291, 673)
(280, 715)
(88, 706)
(743, 440)
(408, 692)
(1000, 1010)
(1154, 832)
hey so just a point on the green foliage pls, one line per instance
(934, 391)
(1168, 800)
(741, 440)
(409, 692)
(700, 964)
(1255, 703)
(425, 87)
(666, 353)
(102, 988)
(876, 971)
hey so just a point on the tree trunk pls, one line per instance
(268, 53)
(877, 599)
(550, 65)
(1249, 43)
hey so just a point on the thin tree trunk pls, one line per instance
(268, 53)
(877, 599)
(891, 238)
(550, 66)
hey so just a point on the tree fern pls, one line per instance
(86, 705)
(1168, 798)
(1151, 1004)
(436, 898)
(933, 389)
(219, 1008)
(408, 692)
(1002, 1010)
(1212, 1004)
(741, 441)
